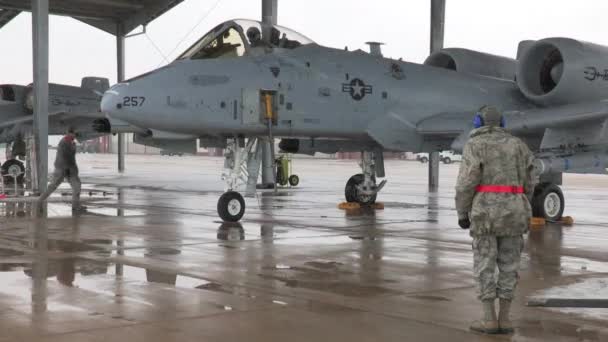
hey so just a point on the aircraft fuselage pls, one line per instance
(317, 92)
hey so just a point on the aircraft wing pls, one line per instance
(21, 120)
(448, 125)
(573, 131)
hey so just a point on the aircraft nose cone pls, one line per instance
(111, 101)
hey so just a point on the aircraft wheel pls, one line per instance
(13, 167)
(548, 202)
(294, 180)
(353, 195)
(231, 206)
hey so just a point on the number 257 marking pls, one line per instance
(133, 101)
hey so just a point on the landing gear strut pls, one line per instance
(362, 188)
(548, 202)
(241, 169)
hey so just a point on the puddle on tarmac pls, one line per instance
(592, 288)
(560, 330)
(402, 205)
(315, 241)
(56, 210)
(19, 280)
(343, 288)
(324, 264)
(325, 276)
(430, 298)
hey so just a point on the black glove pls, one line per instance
(464, 223)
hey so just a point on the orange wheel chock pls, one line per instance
(349, 206)
(537, 222)
(378, 206)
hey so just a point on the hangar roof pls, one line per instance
(106, 15)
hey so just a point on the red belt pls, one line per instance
(508, 189)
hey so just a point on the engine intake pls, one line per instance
(558, 71)
(473, 62)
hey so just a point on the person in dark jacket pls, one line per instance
(66, 168)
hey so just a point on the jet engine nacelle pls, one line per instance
(473, 62)
(558, 71)
(13, 93)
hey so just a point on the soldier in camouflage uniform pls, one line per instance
(65, 167)
(495, 184)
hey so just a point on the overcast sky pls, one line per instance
(79, 50)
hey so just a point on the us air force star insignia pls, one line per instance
(357, 89)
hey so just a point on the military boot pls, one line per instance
(504, 323)
(488, 324)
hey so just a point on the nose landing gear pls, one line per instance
(231, 206)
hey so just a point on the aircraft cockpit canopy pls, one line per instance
(235, 38)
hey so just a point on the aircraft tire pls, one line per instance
(548, 202)
(13, 165)
(294, 180)
(231, 206)
(352, 194)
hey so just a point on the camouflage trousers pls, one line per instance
(58, 176)
(496, 254)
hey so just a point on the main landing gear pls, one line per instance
(13, 171)
(362, 188)
(548, 202)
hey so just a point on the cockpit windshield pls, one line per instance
(235, 38)
(228, 43)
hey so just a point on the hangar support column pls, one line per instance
(40, 35)
(120, 77)
(269, 16)
(437, 37)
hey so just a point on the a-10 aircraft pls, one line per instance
(69, 106)
(244, 81)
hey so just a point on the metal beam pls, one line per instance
(6, 16)
(269, 12)
(40, 35)
(268, 180)
(434, 171)
(269, 17)
(116, 3)
(120, 77)
(436, 44)
(437, 24)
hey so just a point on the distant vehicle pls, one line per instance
(447, 157)
(171, 153)
(422, 157)
(89, 146)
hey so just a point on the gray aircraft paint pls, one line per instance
(326, 93)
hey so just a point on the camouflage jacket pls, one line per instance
(492, 156)
(66, 155)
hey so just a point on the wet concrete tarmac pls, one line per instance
(152, 262)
